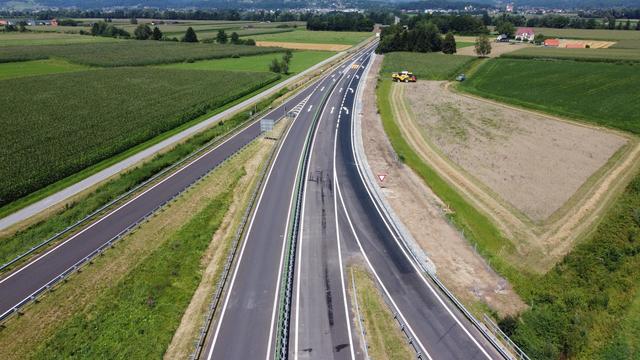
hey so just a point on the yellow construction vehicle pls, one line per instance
(403, 76)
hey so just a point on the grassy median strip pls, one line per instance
(14, 244)
(477, 227)
(384, 338)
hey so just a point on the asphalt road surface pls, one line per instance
(247, 323)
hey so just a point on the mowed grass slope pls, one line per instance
(600, 93)
(63, 123)
(426, 66)
(129, 53)
(301, 60)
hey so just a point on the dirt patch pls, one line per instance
(497, 48)
(534, 163)
(593, 44)
(461, 268)
(517, 165)
(304, 46)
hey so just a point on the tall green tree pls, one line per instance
(235, 38)
(222, 37)
(156, 34)
(506, 27)
(142, 32)
(449, 44)
(275, 66)
(190, 36)
(483, 46)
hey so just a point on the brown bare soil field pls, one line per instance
(304, 46)
(544, 181)
(460, 267)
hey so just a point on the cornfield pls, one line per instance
(63, 123)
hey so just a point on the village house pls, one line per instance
(525, 34)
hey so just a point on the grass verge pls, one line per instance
(384, 338)
(137, 318)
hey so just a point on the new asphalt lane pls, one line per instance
(321, 320)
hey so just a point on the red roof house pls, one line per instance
(525, 34)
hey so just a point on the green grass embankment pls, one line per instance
(137, 318)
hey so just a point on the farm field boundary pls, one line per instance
(610, 55)
(530, 239)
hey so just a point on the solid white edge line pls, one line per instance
(384, 288)
(244, 244)
(411, 260)
(297, 310)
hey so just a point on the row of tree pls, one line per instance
(561, 22)
(340, 21)
(458, 24)
(281, 66)
(223, 38)
(424, 37)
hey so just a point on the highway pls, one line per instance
(247, 323)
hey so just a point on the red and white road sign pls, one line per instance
(381, 177)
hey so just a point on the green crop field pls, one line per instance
(129, 53)
(301, 60)
(37, 67)
(50, 38)
(595, 55)
(590, 34)
(627, 44)
(59, 124)
(601, 93)
(426, 66)
(316, 37)
(249, 33)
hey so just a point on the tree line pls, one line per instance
(340, 21)
(424, 37)
(562, 22)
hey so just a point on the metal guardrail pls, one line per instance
(384, 206)
(495, 329)
(217, 295)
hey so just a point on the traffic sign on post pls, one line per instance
(266, 125)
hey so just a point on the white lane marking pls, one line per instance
(411, 260)
(322, 89)
(340, 90)
(244, 245)
(304, 200)
(384, 288)
(348, 76)
(351, 89)
(310, 107)
(344, 108)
